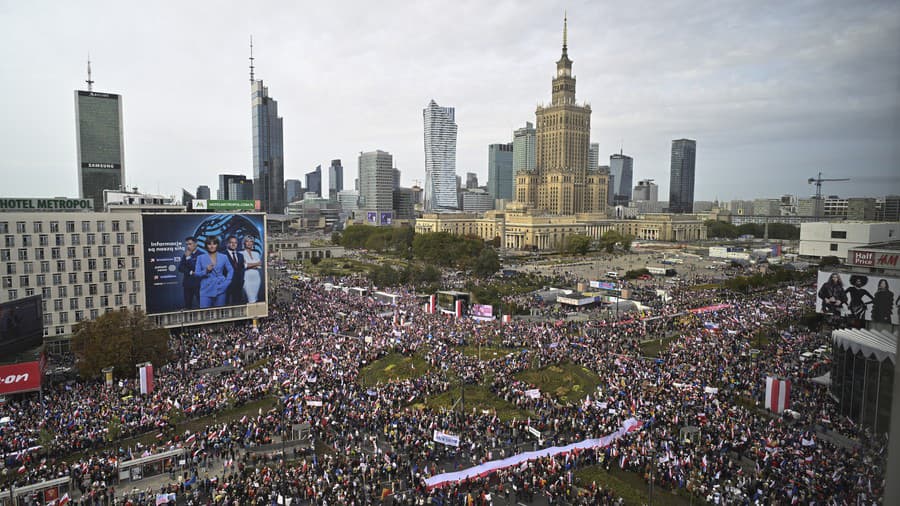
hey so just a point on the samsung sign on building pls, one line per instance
(59, 204)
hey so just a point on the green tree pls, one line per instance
(577, 244)
(121, 339)
(720, 229)
(609, 240)
(487, 263)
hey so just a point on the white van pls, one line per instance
(612, 275)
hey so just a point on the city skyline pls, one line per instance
(811, 89)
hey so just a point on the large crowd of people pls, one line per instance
(703, 431)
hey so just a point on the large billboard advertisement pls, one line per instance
(21, 377)
(198, 261)
(871, 297)
(21, 325)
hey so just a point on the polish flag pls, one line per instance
(145, 375)
(432, 304)
(459, 308)
(778, 394)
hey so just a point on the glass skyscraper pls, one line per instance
(314, 181)
(500, 171)
(622, 167)
(335, 178)
(268, 150)
(681, 177)
(100, 144)
(440, 157)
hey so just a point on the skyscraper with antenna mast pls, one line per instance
(99, 141)
(268, 145)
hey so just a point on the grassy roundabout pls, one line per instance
(478, 397)
(392, 367)
(626, 484)
(567, 382)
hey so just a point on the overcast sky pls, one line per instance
(772, 91)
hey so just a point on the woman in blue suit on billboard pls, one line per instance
(214, 274)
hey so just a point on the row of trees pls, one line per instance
(723, 230)
(580, 244)
(775, 276)
(397, 240)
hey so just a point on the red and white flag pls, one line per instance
(432, 304)
(145, 375)
(778, 394)
(507, 318)
(459, 308)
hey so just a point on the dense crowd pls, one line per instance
(374, 441)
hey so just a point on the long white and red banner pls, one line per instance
(480, 470)
(21, 377)
(778, 394)
(145, 375)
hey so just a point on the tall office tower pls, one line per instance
(562, 182)
(314, 181)
(203, 192)
(594, 156)
(396, 178)
(240, 189)
(440, 157)
(293, 190)
(349, 200)
(404, 204)
(500, 170)
(99, 141)
(524, 140)
(622, 167)
(646, 190)
(225, 181)
(268, 146)
(681, 177)
(610, 184)
(376, 186)
(890, 208)
(335, 178)
(471, 180)
(186, 197)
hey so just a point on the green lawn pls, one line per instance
(392, 367)
(627, 485)
(477, 397)
(567, 382)
(656, 346)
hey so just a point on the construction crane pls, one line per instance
(818, 182)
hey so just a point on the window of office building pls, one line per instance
(101, 226)
(13, 294)
(85, 226)
(20, 227)
(76, 239)
(57, 304)
(10, 268)
(88, 277)
(117, 251)
(104, 301)
(4, 227)
(101, 251)
(86, 252)
(57, 279)
(79, 290)
(63, 291)
(70, 226)
(76, 264)
(9, 241)
(54, 253)
(41, 280)
(39, 253)
(26, 241)
(63, 317)
(59, 240)
(107, 263)
(120, 238)
(70, 252)
(61, 266)
(60, 330)
(103, 276)
(43, 240)
(73, 303)
(28, 268)
(79, 316)
(115, 225)
(4, 255)
(130, 250)
(45, 266)
(48, 319)
(23, 281)
(54, 227)
(73, 278)
(129, 225)
(104, 239)
(23, 254)
(119, 299)
(7, 282)
(95, 314)
(38, 227)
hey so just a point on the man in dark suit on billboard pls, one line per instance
(235, 294)
(190, 283)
